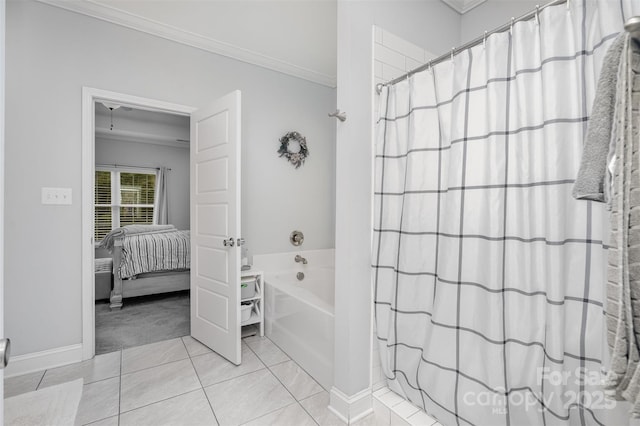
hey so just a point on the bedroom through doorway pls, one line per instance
(214, 201)
(141, 225)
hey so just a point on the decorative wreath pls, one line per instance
(295, 158)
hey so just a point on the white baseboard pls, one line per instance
(350, 409)
(38, 361)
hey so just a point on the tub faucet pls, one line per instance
(301, 259)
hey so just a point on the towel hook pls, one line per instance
(537, 14)
(342, 116)
(513, 20)
(453, 52)
(484, 40)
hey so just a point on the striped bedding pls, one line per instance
(155, 252)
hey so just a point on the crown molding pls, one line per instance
(463, 6)
(136, 22)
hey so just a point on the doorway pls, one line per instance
(141, 183)
(214, 200)
(91, 97)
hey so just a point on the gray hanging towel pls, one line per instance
(593, 179)
(623, 287)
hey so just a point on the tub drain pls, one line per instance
(300, 276)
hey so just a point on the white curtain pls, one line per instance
(489, 276)
(161, 207)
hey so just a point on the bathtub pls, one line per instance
(299, 317)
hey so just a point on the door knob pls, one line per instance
(228, 242)
(240, 242)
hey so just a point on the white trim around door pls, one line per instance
(89, 97)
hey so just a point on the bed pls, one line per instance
(147, 259)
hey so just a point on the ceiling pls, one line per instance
(136, 125)
(294, 37)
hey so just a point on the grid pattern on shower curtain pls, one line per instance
(489, 277)
(392, 56)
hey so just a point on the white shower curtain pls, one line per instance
(489, 277)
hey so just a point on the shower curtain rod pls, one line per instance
(129, 167)
(469, 45)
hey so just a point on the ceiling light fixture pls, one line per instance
(111, 106)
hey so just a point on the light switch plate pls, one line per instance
(60, 196)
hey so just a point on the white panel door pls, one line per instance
(215, 226)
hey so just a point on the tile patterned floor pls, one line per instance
(182, 382)
(145, 319)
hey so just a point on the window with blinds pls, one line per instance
(122, 198)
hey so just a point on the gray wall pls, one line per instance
(51, 53)
(435, 27)
(492, 14)
(150, 155)
(2, 164)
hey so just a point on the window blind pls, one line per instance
(122, 198)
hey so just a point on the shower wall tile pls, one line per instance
(390, 57)
(402, 46)
(378, 385)
(377, 34)
(378, 381)
(389, 72)
(394, 56)
(377, 67)
(411, 64)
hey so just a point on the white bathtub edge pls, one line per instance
(305, 296)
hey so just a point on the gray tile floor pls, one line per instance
(142, 320)
(182, 382)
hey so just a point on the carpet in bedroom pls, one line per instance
(142, 320)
